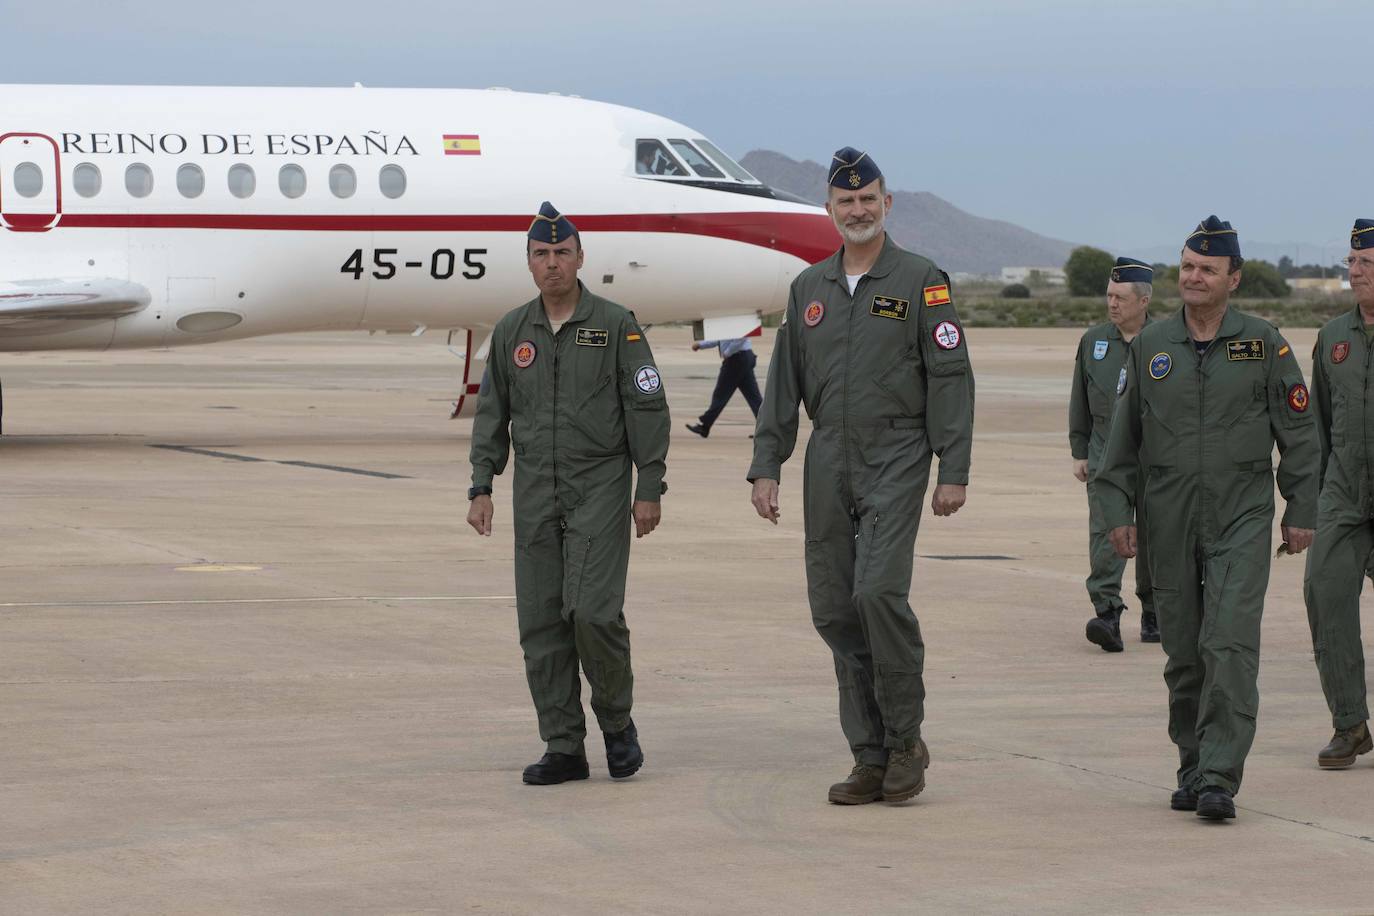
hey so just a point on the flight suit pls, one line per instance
(1097, 371)
(1201, 429)
(1343, 405)
(886, 381)
(578, 407)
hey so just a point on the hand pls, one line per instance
(765, 499)
(646, 515)
(695, 346)
(1080, 469)
(1297, 539)
(1123, 540)
(948, 498)
(480, 511)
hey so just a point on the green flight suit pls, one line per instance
(886, 381)
(1201, 428)
(1343, 404)
(1097, 372)
(579, 407)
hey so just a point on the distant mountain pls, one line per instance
(920, 221)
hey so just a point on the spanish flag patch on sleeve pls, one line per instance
(632, 337)
(936, 295)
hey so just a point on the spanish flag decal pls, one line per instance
(936, 295)
(462, 145)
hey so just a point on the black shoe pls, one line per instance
(555, 768)
(1215, 804)
(699, 429)
(1149, 627)
(1183, 799)
(623, 756)
(1106, 632)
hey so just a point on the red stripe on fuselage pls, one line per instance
(809, 236)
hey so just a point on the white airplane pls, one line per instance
(149, 216)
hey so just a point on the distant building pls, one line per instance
(1328, 285)
(1051, 275)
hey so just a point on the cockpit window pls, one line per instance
(699, 163)
(653, 158)
(725, 162)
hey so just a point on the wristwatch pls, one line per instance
(474, 492)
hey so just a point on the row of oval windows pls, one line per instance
(190, 178)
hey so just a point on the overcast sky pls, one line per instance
(1095, 121)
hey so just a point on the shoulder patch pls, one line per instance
(889, 307)
(936, 295)
(1245, 349)
(647, 379)
(947, 335)
(593, 337)
(1298, 398)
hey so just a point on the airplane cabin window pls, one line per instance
(342, 181)
(86, 179)
(736, 171)
(392, 180)
(28, 179)
(242, 181)
(138, 180)
(699, 163)
(653, 158)
(291, 180)
(190, 180)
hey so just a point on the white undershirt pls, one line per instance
(853, 281)
(555, 325)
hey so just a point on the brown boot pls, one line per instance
(906, 774)
(864, 785)
(1345, 746)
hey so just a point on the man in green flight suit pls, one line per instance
(572, 386)
(1207, 393)
(1097, 373)
(872, 345)
(1342, 385)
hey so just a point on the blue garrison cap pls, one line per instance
(1129, 270)
(551, 226)
(1214, 237)
(851, 169)
(1362, 236)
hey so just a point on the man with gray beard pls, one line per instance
(871, 344)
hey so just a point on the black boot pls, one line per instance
(1105, 631)
(555, 768)
(1149, 627)
(1215, 804)
(701, 429)
(623, 756)
(1183, 799)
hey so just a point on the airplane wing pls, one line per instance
(67, 299)
(727, 327)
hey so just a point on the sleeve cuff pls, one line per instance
(764, 471)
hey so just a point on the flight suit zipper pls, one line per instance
(1202, 438)
(1364, 432)
(844, 385)
(553, 426)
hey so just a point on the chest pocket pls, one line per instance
(903, 383)
(1249, 440)
(599, 418)
(1101, 395)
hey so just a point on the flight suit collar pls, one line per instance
(1231, 325)
(1114, 333)
(1356, 320)
(886, 263)
(581, 313)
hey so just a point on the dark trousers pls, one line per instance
(736, 372)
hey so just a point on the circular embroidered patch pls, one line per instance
(524, 354)
(947, 335)
(1340, 351)
(1160, 365)
(647, 380)
(1297, 398)
(813, 314)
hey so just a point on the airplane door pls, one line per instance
(30, 183)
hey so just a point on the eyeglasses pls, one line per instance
(1363, 263)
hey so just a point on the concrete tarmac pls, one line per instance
(252, 660)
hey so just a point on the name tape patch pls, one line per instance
(1244, 349)
(889, 307)
(593, 337)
